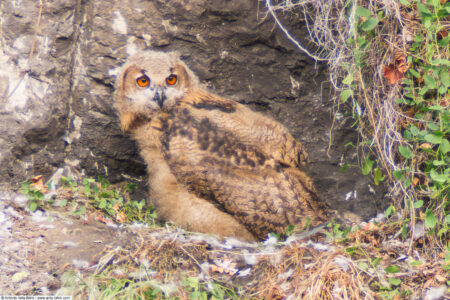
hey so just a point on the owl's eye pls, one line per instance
(171, 80)
(143, 81)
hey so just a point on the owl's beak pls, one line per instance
(160, 96)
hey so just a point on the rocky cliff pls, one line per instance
(58, 61)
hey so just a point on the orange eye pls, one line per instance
(171, 80)
(143, 81)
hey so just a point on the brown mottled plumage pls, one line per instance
(214, 165)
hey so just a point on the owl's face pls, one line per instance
(152, 81)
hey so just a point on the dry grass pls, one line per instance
(332, 26)
(296, 269)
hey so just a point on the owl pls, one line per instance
(214, 165)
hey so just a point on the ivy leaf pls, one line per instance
(418, 204)
(433, 138)
(414, 130)
(343, 168)
(367, 166)
(389, 211)
(33, 206)
(395, 281)
(363, 12)
(429, 81)
(376, 261)
(348, 79)
(423, 9)
(445, 146)
(441, 178)
(445, 77)
(392, 269)
(345, 95)
(430, 220)
(378, 176)
(370, 24)
(405, 152)
(415, 73)
(416, 263)
(398, 174)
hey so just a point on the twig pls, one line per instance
(289, 36)
(33, 47)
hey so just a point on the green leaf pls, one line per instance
(367, 166)
(405, 152)
(441, 178)
(63, 203)
(398, 174)
(433, 138)
(363, 266)
(376, 261)
(395, 281)
(392, 269)
(378, 176)
(348, 79)
(445, 146)
(444, 77)
(389, 211)
(33, 206)
(440, 62)
(442, 89)
(416, 263)
(430, 220)
(445, 41)
(423, 9)
(435, 108)
(370, 24)
(415, 73)
(414, 130)
(363, 12)
(430, 81)
(343, 168)
(102, 203)
(404, 2)
(345, 95)
(447, 219)
(442, 231)
(438, 163)
(404, 230)
(418, 204)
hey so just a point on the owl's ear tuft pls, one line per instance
(186, 75)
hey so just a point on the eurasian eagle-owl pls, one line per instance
(214, 165)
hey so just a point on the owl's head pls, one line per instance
(151, 82)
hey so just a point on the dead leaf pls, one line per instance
(442, 34)
(102, 219)
(121, 217)
(116, 206)
(395, 71)
(216, 269)
(440, 278)
(415, 181)
(38, 183)
(426, 146)
(392, 74)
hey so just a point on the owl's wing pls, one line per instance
(217, 154)
(251, 128)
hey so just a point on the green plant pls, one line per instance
(35, 197)
(417, 130)
(211, 290)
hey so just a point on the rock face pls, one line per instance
(56, 103)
